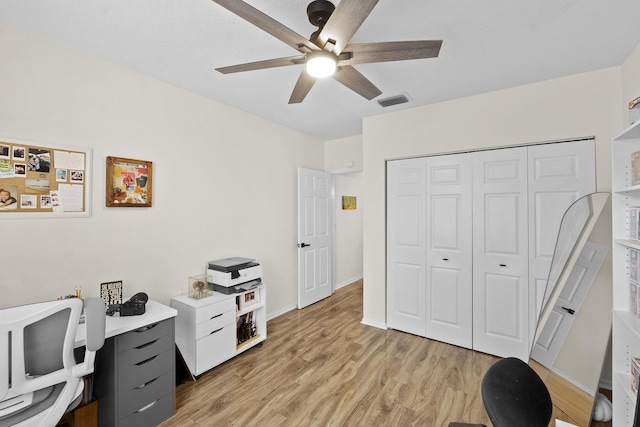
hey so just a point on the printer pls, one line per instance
(234, 275)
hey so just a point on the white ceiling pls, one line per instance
(487, 45)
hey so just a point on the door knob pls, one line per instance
(303, 245)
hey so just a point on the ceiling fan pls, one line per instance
(328, 47)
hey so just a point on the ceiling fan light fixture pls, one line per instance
(321, 64)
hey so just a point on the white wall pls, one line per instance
(630, 79)
(224, 181)
(347, 260)
(343, 157)
(582, 105)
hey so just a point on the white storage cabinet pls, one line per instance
(207, 328)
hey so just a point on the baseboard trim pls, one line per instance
(375, 324)
(271, 316)
(576, 383)
(347, 282)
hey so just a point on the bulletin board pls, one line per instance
(43, 179)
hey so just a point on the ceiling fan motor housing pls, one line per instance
(319, 12)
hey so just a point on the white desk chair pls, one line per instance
(39, 378)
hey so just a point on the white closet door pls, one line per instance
(406, 245)
(500, 259)
(449, 253)
(559, 174)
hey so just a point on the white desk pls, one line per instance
(116, 325)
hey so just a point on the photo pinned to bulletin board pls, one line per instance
(43, 179)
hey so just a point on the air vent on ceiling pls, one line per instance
(394, 100)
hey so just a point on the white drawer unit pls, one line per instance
(213, 329)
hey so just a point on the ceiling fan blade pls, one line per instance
(366, 53)
(260, 65)
(268, 24)
(351, 78)
(344, 22)
(301, 89)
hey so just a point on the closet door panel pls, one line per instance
(449, 253)
(559, 174)
(502, 299)
(406, 245)
(500, 253)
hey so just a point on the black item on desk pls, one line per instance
(134, 307)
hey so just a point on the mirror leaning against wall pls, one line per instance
(575, 281)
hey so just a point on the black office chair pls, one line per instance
(514, 395)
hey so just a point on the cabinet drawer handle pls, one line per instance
(217, 315)
(503, 265)
(445, 259)
(144, 408)
(145, 328)
(146, 361)
(217, 330)
(146, 345)
(146, 384)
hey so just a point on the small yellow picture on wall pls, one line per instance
(348, 202)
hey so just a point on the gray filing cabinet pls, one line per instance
(135, 376)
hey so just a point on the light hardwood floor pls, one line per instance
(321, 366)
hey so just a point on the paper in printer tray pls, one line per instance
(237, 289)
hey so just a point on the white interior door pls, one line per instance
(315, 227)
(500, 259)
(406, 245)
(449, 249)
(568, 304)
(559, 174)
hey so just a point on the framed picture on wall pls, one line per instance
(128, 183)
(348, 202)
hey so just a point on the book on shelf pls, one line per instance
(633, 298)
(634, 265)
(634, 227)
(635, 168)
(635, 374)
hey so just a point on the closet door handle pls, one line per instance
(569, 310)
(503, 265)
(445, 259)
